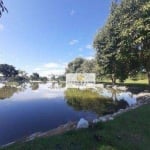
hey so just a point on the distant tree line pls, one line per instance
(10, 73)
(36, 77)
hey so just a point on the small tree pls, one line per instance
(35, 76)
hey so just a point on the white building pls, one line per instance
(80, 80)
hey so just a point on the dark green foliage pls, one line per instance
(81, 65)
(75, 66)
(123, 44)
(8, 70)
(35, 76)
(18, 79)
(44, 79)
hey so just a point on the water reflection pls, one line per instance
(99, 104)
(118, 95)
(39, 107)
(34, 86)
(7, 92)
(31, 111)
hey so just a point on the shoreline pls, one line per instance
(142, 99)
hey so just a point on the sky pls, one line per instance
(43, 36)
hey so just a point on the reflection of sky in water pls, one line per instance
(1, 85)
(29, 111)
(40, 107)
(118, 95)
(39, 93)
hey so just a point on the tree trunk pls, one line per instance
(148, 75)
(113, 78)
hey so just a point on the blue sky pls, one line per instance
(43, 36)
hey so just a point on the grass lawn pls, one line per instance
(130, 81)
(127, 81)
(129, 131)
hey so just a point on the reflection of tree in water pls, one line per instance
(34, 86)
(113, 92)
(7, 92)
(99, 105)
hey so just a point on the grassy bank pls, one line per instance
(89, 100)
(129, 131)
(85, 94)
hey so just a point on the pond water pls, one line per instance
(31, 108)
(118, 95)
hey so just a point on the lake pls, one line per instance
(35, 107)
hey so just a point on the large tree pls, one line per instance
(106, 45)
(123, 44)
(81, 65)
(75, 65)
(8, 70)
(89, 66)
(135, 34)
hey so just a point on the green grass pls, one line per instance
(127, 81)
(135, 86)
(131, 81)
(89, 100)
(129, 131)
(82, 94)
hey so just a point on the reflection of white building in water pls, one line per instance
(80, 80)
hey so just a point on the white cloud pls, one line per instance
(89, 46)
(52, 71)
(51, 65)
(37, 69)
(51, 68)
(72, 12)
(73, 42)
(1, 27)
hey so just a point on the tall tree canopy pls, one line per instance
(123, 44)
